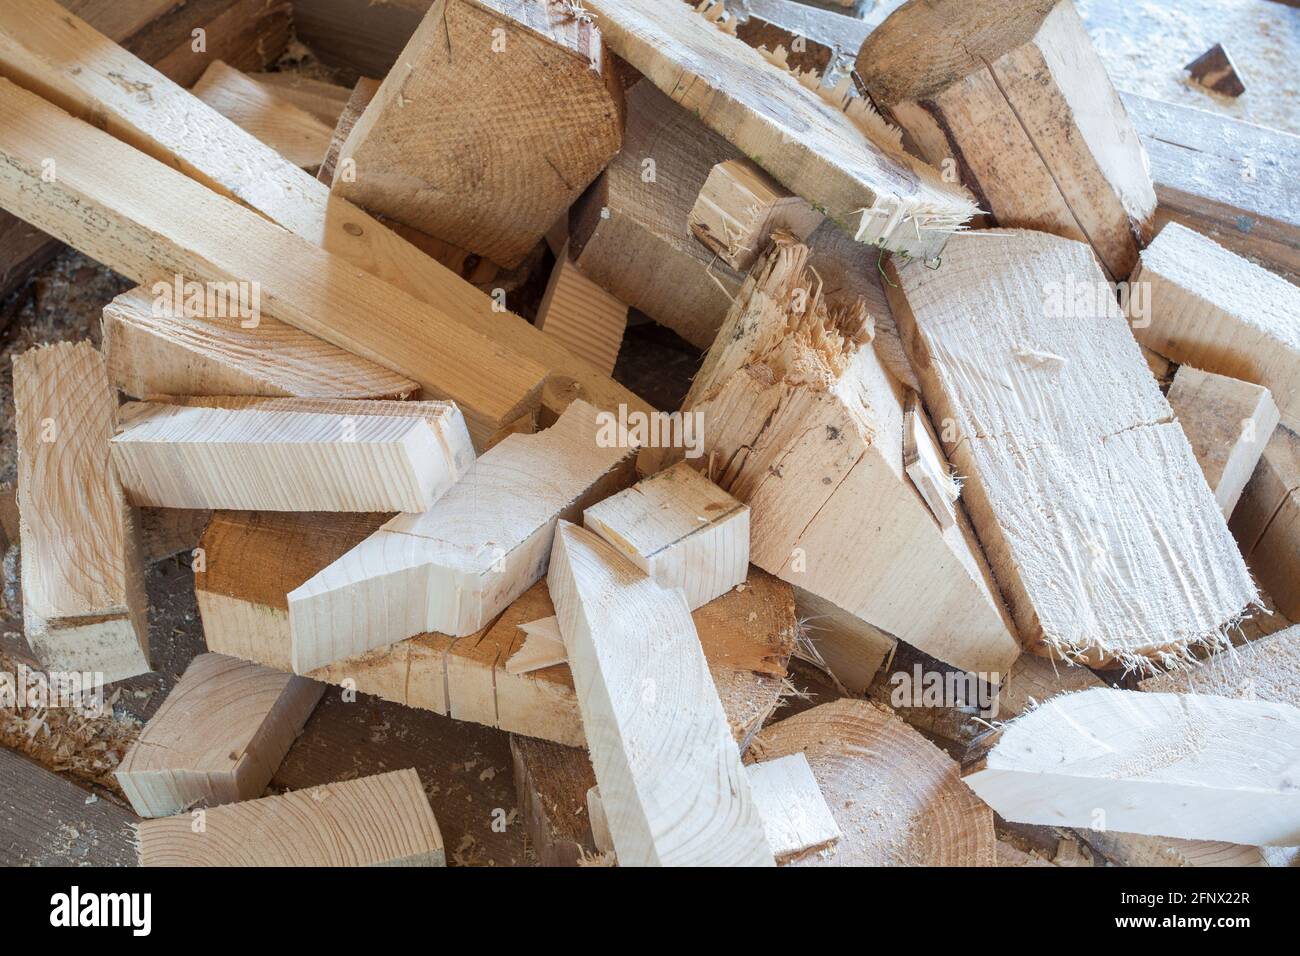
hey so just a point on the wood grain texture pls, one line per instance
(1265, 669)
(320, 98)
(217, 738)
(671, 780)
(795, 816)
(84, 606)
(896, 798)
(382, 820)
(1191, 766)
(1099, 527)
(1266, 521)
(739, 207)
(583, 316)
(533, 73)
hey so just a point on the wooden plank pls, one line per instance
(1015, 99)
(679, 528)
(853, 168)
(322, 99)
(795, 816)
(538, 75)
(1213, 309)
(291, 131)
(670, 775)
(115, 19)
(1265, 669)
(291, 454)
(153, 350)
(455, 567)
(740, 206)
(218, 736)
(1227, 422)
(583, 316)
(84, 606)
(1191, 766)
(832, 510)
(896, 798)
(1083, 489)
(247, 34)
(1266, 521)
(382, 820)
(36, 36)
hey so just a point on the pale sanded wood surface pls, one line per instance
(896, 798)
(671, 779)
(925, 464)
(320, 98)
(679, 528)
(456, 566)
(1192, 766)
(1265, 669)
(542, 647)
(587, 319)
(217, 738)
(84, 606)
(739, 207)
(382, 820)
(795, 815)
(1266, 521)
(291, 131)
(1099, 527)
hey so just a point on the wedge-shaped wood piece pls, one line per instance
(84, 604)
(1215, 70)
(1092, 510)
(537, 74)
(455, 567)
(795, 815)
(156, 351)
(269, 454)
(1192, 766)
(542, 647)
(582, 315)
(849, 648)
(1264, 669)
(1266, 521)
(1213, 309)
(1228, 423)
(925, 465)
(217, 738)
(291, 131)
(384, 820)
(852, 167)
(739, 207)
(1015, 99)
(674, 790)
(896, 798)
(679, 528)
(806, 427)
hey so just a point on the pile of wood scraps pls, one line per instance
(974, 541)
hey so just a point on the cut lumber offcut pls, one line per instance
(896, 798)
(1191, 766)
(803, 424)
(291, 454)
(847, 647)
(926, 466)
(537, 75)
(362, 93)
(36, 39)
(1266, 521)
(813, 40)
(795, 816)
(165, 532)
(674, 790)
(384, 820)
(217, 738)
(551, 786)
(84, 604)
(150, 221)
(1034, 680)
(455, 567)
(295, 134)
(1214, 310)
(1100, 529)
(679, 528)
(582, 315)
(739, 207)
(1224, 178)
(600, 834)
(321, 99)
(543, 647)
(1227, 422)
(153, 350)
(1265, 669)
(1132, 849)
(850, 164)
(1014, 97)
(1215, 71)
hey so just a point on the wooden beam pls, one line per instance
(291, 131)
(583, 316)
(151, 350)
(247, 34)
(84, 605)
(813, 39)
(897, 799)
(1192, 766)
(854, 168)
(1015, 99)
(679, 528)
(670, 775)
(382, 820)
(538, 74)
(832, 510)
(1227, 422)
(1265, 669)
(38, 36)
(217, 738)
(322, 99)
(739, 207)
(291, 454)
(1210, 308)
(1082, 487)
(455, 567)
